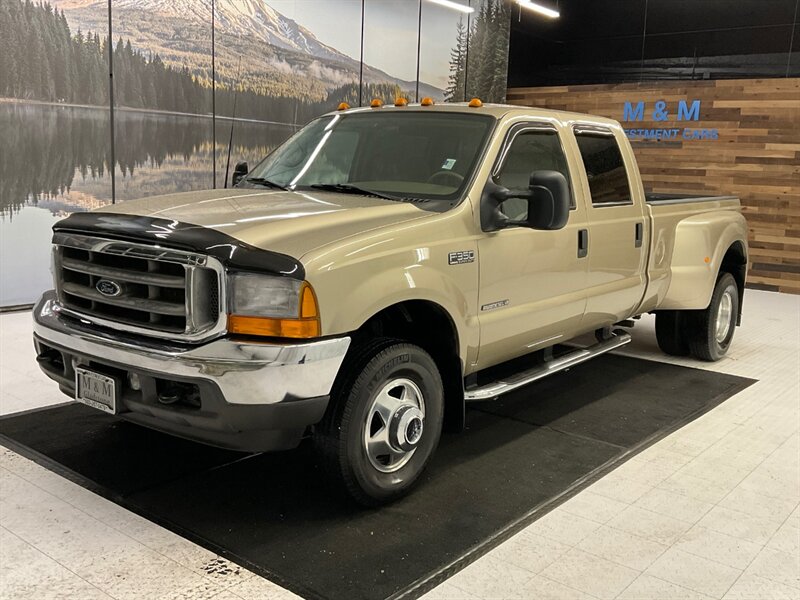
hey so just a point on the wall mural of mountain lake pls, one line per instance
(279, 64)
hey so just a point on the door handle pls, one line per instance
(583, 242)
(639, 234)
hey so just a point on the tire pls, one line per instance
(710, 331)
(671, 332)
(383, 422)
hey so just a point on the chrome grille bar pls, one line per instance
(155, 291)
(139, 304)
(157, 279)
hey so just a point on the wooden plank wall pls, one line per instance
(756, 157)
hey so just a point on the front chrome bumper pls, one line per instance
(245, 372)
(247, 395)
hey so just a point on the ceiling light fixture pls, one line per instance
(538, 8)
(454, 5)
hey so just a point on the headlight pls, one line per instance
(264, 296)
(264, 305)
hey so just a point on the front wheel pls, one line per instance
(384, 420)
(710, 331)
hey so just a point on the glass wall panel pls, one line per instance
(280, 63)
(443, 50)
(55, 140)
(162, 94)
(487, 57)
(390, 50)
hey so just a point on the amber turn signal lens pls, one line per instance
(376, 103)
(269, 327)
(427, 101)
(475, 103)
(401, 102)
(343, 106)
(308, 303)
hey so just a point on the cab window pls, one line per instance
(605, 169)
(530, 150)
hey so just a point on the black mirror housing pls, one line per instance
(492, 218)
(239, 171)
(548, 198)
(548, 206)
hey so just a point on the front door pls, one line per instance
(532, 283)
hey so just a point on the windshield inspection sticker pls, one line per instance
(449, 164)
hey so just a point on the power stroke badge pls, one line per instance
(494, 305)
(461, 257)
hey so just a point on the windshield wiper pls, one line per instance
(346, 188)
(266, 182)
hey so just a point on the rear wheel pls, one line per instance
(710, 331)
(671, 332)
(384, 420)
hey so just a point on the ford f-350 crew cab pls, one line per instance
(360, 284)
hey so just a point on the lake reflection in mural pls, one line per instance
(55, 162)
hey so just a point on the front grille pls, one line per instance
(140, 288)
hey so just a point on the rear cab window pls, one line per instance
(605, 167)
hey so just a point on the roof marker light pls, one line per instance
(427, 101)
(475, 103)
(376, 103)
(401, 102)
(343, 106)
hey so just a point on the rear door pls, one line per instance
(618, 228)
(532, 283)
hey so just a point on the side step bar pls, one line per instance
(579, 355)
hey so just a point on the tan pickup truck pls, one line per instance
(364, 281)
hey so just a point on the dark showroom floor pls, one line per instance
(704, 507)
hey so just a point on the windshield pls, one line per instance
(398, 155)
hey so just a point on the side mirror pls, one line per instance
(548, 200)
(548, 208)
(239, 171)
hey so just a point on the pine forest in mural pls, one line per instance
(41, 59)
(479, 61)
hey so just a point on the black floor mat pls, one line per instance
(519, 457)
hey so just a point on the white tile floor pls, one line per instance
(709, 512)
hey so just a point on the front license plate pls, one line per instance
(96, 390)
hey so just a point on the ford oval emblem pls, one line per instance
(108, 288)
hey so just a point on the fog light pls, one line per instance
(133, 380)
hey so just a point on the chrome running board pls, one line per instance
(579, 355)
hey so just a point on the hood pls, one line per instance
(292, 223)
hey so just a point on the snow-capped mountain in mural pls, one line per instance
(278, 55)
(249, 18)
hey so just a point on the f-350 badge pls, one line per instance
(461, 257)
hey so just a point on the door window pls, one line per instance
(605, 169)
(530, 150)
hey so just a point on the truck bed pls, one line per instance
(654, 198)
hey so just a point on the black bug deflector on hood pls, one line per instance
(233, 253)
